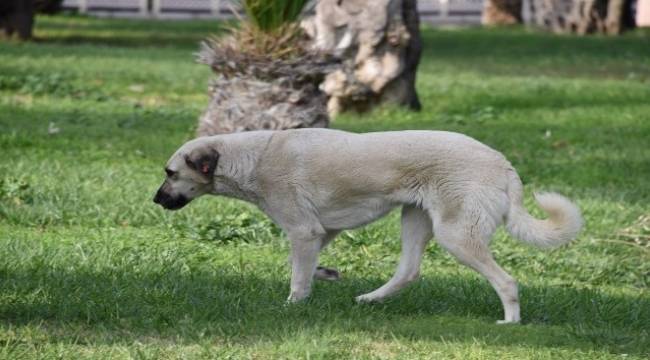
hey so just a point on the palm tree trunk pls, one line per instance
(501, 12)
(361, 53)
(580, 16)
(379, 44)
(613, 21)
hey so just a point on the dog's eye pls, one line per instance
(170, 173)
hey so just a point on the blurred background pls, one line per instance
(629, 13)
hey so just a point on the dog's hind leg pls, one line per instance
(468, 241)
(417, 230)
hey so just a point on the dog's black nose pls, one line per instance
(157, 197)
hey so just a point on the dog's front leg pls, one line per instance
(305, 246)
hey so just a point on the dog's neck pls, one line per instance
(235, 173)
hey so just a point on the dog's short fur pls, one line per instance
(315, 183)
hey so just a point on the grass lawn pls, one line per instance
(90, 268)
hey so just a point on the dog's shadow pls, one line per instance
(113, 306)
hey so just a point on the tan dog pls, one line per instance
(315, 183)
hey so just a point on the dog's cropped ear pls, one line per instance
(204, 160)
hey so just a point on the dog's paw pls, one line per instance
(296, 297)
(366, 298)
(328, 274)
(507, 322)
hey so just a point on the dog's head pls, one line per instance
(190, 173)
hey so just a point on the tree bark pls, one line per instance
(245, 104)
(359, 53)
(579, 16)
(262, 94)
(502, 12)
(379, 44)
(614, 18)
(17, 16)
(412, 54)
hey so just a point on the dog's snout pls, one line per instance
(159, 196)
(170, 202)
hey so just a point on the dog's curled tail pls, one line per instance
(563, 224)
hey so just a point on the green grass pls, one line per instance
(92, 269)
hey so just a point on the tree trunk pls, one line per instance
(614, 16)
(245, 104)
(359, 53)
(501, 12)
(18, 16)
(413, 53)
(643, 13)
(262, 95)
(579, 16)
(379, 44)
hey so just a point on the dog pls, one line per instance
(315, 183)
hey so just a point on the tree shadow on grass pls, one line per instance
(245, 307)
(134, 40)
(518, 51)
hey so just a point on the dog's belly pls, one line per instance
(353, 214)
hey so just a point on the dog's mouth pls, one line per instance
(176, 205)
(170, 203)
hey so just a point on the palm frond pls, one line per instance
(270, 15)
